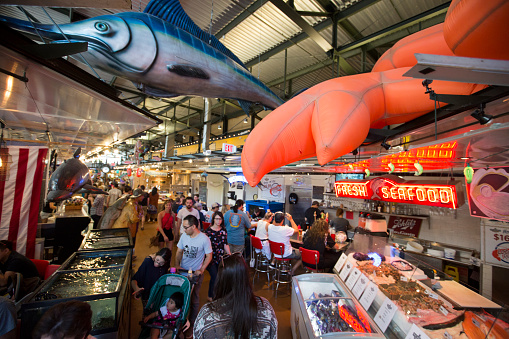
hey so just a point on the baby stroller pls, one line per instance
(161, 291)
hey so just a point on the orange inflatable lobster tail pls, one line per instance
(333, 118)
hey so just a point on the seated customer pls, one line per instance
(262, 229)
(236, 311)
(12, 262)
(317, 238)
(339, 223)
(279, 232)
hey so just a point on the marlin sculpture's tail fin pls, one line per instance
(171, 11)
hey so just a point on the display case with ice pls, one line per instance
(323, 307)
(100, 278)
(107, 239)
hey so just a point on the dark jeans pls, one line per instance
(195, 301)
(96, 219)
(212, 268)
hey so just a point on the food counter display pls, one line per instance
(322, 306)
(107, 239)
(99, 278)
(399, 297)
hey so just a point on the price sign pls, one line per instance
(346, 271)
(444, 311)
(416, 333)
(360, 286)
(353, 278)
(341, 261)
(228, 148)
(369, 295)
(385, 314)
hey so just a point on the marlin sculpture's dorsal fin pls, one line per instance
(172, 12)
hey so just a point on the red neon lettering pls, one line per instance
(394, 193)
(385, 194)
(356, 191)
(345, 189)
(363, 191)
(421, 194)
(401, 193)
(432, 195)
(410, 193)
(444, 196)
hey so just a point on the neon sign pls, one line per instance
(393, 189)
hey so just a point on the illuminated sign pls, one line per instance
(391, 188)
(228, 148)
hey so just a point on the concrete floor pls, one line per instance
(281, 304)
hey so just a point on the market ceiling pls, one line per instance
(289, 46)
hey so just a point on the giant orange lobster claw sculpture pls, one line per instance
(334, 117)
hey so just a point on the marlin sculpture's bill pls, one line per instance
(163, 52)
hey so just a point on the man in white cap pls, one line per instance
(214, 208)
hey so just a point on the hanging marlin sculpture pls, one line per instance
(163, 52)
(69, 178)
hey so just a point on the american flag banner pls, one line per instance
(20, 196)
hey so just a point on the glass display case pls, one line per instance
(322, 306)
(107, 239)
(100, 278)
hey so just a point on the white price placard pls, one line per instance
(346, 270)
(416, 333)
(360, 286)
(352, 279)
(341, 261)
(369, 295)
(385, 314)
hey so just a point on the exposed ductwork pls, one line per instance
(206, 124)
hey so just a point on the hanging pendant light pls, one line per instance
(391, 167)
(469, 173)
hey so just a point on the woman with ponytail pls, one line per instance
(237, 224)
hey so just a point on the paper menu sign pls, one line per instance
(346, 270)
(416, 333)
(360, 286)
(352, 279)
(340, 262)
(369, 295)
(385, 314)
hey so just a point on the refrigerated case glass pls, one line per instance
(99, 278)
(107, 239)
(323, 306)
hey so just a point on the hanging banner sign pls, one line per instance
(405, 226)
(391, 188)
(488, 194)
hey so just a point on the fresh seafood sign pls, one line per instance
(496, 245)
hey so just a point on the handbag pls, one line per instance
(154, 241)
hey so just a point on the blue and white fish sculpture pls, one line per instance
(163, 52)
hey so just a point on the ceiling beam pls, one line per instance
(117, 4)
(357, 7)
(307, 28)
(239, 18)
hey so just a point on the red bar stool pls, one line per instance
(310, 257)
(262, 263)
(283, 266)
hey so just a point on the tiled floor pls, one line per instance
(281, 304)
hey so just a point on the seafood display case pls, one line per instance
(322, 306)
(107, 239)
(99, 278)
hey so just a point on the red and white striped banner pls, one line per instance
(20, 196)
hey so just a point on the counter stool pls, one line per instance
(262, 264)
(309, 257)
(283, 267)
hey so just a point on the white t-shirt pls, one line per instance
(184, 213)
(114, 194)
(262, 234)
(281, 234)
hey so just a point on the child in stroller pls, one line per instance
(166, 315)
(170, 292)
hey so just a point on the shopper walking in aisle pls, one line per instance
(194, 253)
(199, 207)
(217, 236)
(237, 223)
(176, 205)
(225, 208)
(236, 311)
(97, 209)
(153, 201)
(131, 214)
(166, 221)
(113, 194)
(279, 232)
(318, 239)
(184, 212)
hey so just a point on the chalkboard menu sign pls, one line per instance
(203, 191)
(318, 192)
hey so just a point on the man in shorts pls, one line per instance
(279, 232)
